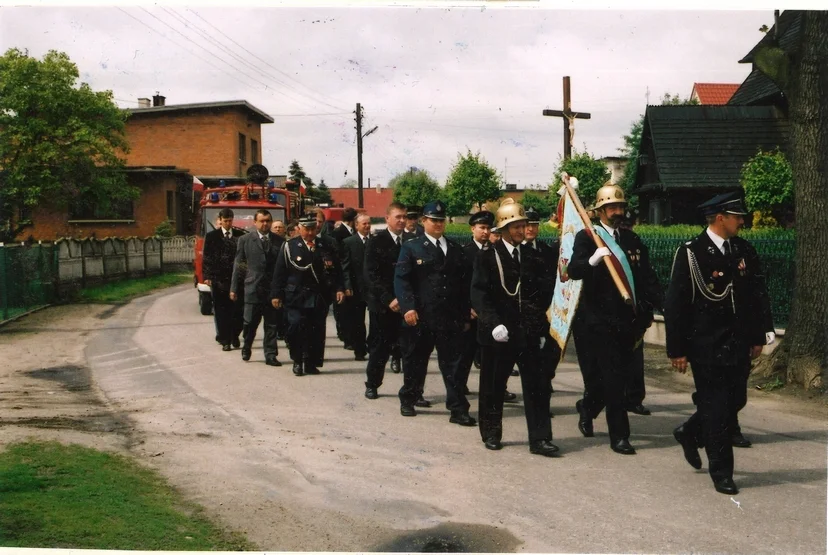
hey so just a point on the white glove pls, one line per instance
(770, 337)
(596, 257)
(500, 334)
(573, 182)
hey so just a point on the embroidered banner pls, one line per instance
(567, 291)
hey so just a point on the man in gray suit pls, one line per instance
(256, 255)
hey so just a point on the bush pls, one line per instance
(164, 229)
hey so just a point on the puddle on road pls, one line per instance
(453, 538)
(73, 378)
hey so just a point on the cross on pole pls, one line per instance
(569, 118)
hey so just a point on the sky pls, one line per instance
(435, 81)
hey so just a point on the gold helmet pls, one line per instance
(509, 212)
(609, 194)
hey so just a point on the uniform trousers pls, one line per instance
(228, 314)
(470, 349)
(305, 333)
(384, 333)
(417, 343)
(355, 325)
(550, 357)
(635, 388)
(496, 366)
(339, 318)
(254, 313)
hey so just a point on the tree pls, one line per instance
(801, 71)
(471, 182)
(768, 182)
(60, 142)
(323, 193)
(349, 184)
(415, 187)
(538, 201)
(590, 172)
(296, 173)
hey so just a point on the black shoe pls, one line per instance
(551, 389)
(515, 372)
(348, 347)
(493, 444)
(311, 370)
(396, 365)
(463, 419)
(623, 447)
(509, 397)
(639, 409)
(246, 354)
(543, 447)
(691, 452)
(226, 348)
(422, 403)
(272, 361)
(477, 364)
(738, 440)
(371, 393)
(360, 358)
(408, 410)
(726, 486)
(236, 343)
(584, 422)
(297, 369)
(466, 390)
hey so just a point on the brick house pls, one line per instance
(375, 201)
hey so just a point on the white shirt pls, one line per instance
(718, 241)
(478, 243)
(394, 236)
(510, 247)
(610, 230)
(261, 237)
(441, 242)
(349, 228)
(363, 237)
(531, 244)
(226, 232)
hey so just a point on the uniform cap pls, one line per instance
(308, 220)
(413, 211)
(532, 216)
(482, 217)
(435, 210)
(728, 203)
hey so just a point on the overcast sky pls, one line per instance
(434, 81)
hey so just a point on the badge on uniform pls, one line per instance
(717, 274)
(742, 267)
(298, 259)
(710, 250)
(419, 261)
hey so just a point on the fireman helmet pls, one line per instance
(509, 212)
(609, 194)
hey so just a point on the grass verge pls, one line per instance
(58, 496)
(119, 291)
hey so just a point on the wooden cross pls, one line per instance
(569, 118)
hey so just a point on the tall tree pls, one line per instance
(539, 201)
(323, 193)
(296, 173)
(60, 142)
(349, 184)
(590, 172)
(768, 182)
(800, 70)
(415, 187)
(471, 182)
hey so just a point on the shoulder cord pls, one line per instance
(300, 268)
(503, 279)
(697, 279)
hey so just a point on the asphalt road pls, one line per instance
(310, 464)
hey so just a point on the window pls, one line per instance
(24, 215)
(90, 209)
(242, 148)
(254, 151)
(171, 205)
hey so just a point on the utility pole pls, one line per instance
(359, 150)
(569, 118)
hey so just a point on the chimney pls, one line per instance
(158, 100)
(143, 102)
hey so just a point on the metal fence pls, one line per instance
(27, 277)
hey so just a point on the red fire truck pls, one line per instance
(244, 199)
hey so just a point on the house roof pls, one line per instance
(374, 202)
(757, 88)
(262, 117)
(714, 93)
(790, 30)
(706, 146)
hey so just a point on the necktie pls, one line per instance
(727, 248)
(364, 239)
(516, 255)
(399, 241)
(616, 236)
(227, 234)
(311, 246)
(265, 242)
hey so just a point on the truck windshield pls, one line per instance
(242, 218)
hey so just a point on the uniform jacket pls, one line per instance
(381, 254)
(601, 306)
(302, 278)
(433, 284)
(549, 254)
(253, 267)
(341, 233)
(716, 332)
(523, 314)
(470, 252)
(219, 255)
(353, 265)
(419, 231)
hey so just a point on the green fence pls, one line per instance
(777, 256)
(28, 277)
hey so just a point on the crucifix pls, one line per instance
(569, 118)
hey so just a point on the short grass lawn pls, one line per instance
(120, 291)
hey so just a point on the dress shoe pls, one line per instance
(623, 447)
(371, 393)
(477, 364)
(297, 369)
(226, 348)
(726, 486)
(396, 365)
(515, 372)
(348, 347)
(422, 403)
(738, 440)
(639, 409)
(584, 421)
(551, 389)
(493, 444)
(272, 361)
(543, 447)
(408, 410)
(236, 343)
(246, 353)
(463, 419)
(691, 452)
(466, 390)
(311, 370)
(360, 358)
(509, 397)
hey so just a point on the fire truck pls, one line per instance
(244, 199)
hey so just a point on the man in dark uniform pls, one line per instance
(219, 254)
(384, 318)
(306, 280)
(353, 269)
(609, 328)
(413, 228)
(509, 292)
(430, 282)
(717, 318)
(256, 254)
(341, 232)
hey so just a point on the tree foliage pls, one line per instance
(60, 142)
(350, 184)
(590, 172)
(415, 187)
(323, 193)
(769, 187)
(296, 173)
(539, 201)
(471, 182)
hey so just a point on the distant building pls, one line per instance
(375, 200)
(716, 94)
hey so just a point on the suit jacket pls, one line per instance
(219, 254)
(523, 314)
(381, 254)
(353, 266)
(341, 233)
(601, 306)
(549, 253)
(433, 284)
(253, 267)
(302, 278)
(419, 231)
(716, 332)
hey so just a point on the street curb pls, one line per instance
(15, 318)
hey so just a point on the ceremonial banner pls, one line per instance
(567, 291)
